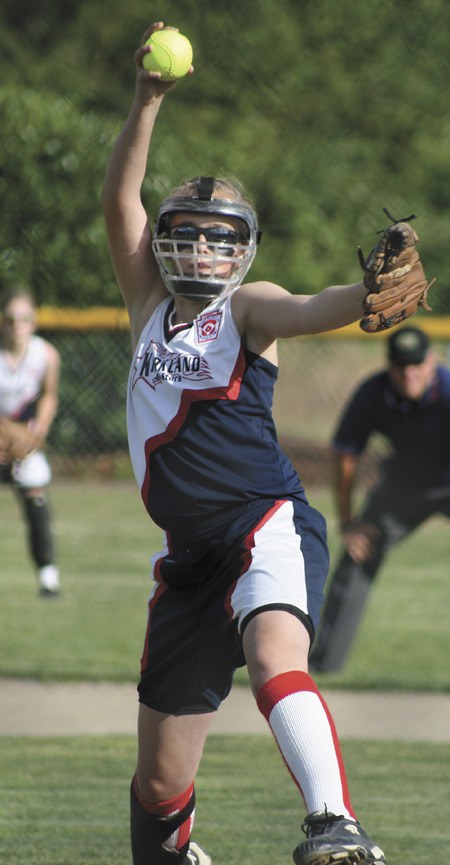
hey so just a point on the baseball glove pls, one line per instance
(394, 277)
(16, 440)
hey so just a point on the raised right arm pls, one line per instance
(127, 225)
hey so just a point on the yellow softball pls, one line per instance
(171, 54)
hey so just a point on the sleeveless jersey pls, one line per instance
(201, 434)
(20, 386)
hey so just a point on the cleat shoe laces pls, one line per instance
(333, 839)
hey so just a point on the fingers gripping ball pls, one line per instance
(171, 54)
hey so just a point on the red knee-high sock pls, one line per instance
(306, 736)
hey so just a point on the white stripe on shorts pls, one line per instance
(276, 567)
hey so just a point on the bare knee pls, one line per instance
(153, 789)
(169, 752)
(274, 642)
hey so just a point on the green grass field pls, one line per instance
(95, 629)
(65, 801)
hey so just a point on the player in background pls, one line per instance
(241, 577)
(29, 374)
(408, 402)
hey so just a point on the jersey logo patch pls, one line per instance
(155, 364)
(207, 326)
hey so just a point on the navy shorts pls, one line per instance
(269, 556)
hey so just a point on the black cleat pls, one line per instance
(335, 839)
(45, 592)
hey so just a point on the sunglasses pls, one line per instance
(186, 235)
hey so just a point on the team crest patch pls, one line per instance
(207, 326)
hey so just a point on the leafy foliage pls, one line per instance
(52, 227)
(328, 114)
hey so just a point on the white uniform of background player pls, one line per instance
(29, 374)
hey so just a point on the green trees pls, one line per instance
(328, 113)
(52, 161)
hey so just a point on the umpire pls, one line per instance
(409, 404)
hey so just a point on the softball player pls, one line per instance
(241, 574)
(29, 373)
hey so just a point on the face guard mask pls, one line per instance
(185, 267)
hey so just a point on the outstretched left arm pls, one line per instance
(264, 311)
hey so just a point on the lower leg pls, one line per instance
(276, 646)
(162, 791)
(160, 832)
(37, 513)
(306, 736)
(346, 599)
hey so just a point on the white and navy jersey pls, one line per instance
(201, 434)
(21, 384)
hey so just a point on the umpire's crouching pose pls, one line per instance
(409, 404)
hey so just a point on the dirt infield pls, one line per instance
(38, 709)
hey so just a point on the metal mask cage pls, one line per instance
(181, 264)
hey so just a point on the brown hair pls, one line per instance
(13, 293)
(227, 185)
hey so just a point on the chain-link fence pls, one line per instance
(317, 374)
